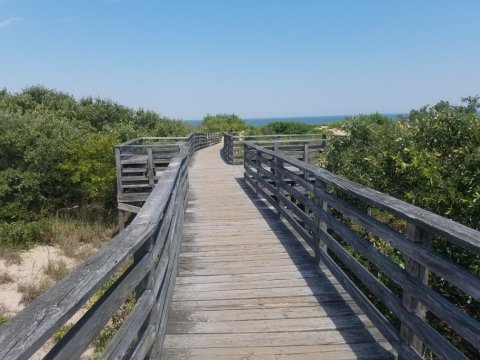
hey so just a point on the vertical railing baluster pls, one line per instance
(137, 257)
(306, 175)
(150, 167)
(258, 161)
(118, 165)
(321, 225)
(278, 176)
(306, 153)
(411, 303)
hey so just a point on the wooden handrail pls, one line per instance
(317, 205)
(139, 165)
(152, 240)
(233, 144)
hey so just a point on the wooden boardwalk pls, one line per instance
(248, 289)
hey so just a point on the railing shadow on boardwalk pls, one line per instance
(355, 333)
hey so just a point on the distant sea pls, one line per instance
(314, 120)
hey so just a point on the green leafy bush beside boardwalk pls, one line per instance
(430, 158)
(56, 154)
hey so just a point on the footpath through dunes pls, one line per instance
(247, 288)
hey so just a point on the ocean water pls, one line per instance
(314, 120)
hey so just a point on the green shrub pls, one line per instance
(430, 158)
(223, 123)
(22, 235)
(33, 289)
(57, 153)
(3, 319)
(60, 333)
(287, 127)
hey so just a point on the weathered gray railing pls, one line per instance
(233, 144)
(320, 206)
(140, 162)
(151, 244)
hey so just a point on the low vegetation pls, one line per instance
(430, 158)
(57, 162)
(5, 277)
(226, 123)
(10, 256)
(288, 127)
(56, 269)
(3, 317)
(33, 288)
(234, 124)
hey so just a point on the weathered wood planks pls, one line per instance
(319, 206)
(140, 164)
(247, 283)
(152, 240)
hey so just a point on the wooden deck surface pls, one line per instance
(248, 289)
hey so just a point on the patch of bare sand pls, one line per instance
(31, 270)
(333, 131)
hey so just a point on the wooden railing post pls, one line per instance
(118, 166)
(258, 160)
(279, 178)
(150, 167)
(321, 225)
(137, 257)
(276, 148)
(305, 153)
(411, 303)
(231, 148)
(228, 147)
(306, 175)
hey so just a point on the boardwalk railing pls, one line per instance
(140, 162)
(332, 214)
(139, 262)
(233, 144)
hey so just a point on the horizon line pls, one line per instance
(310, 116)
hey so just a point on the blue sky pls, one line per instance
(257, 58)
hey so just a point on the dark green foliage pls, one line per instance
(223, 123)
(22, 234)
(57, 153)
(287, 127)
(430, 158)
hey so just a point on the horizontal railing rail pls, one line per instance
(233, 144)
(139, 262)
(346, 225)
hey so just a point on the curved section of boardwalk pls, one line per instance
(248, 289)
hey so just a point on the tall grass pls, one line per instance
(75, 231)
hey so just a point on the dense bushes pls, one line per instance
(223, 123)
(232, 123)
(57, 153)
(287, 127)
(430, 158)
(227, 123)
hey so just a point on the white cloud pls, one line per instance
(9, 22)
